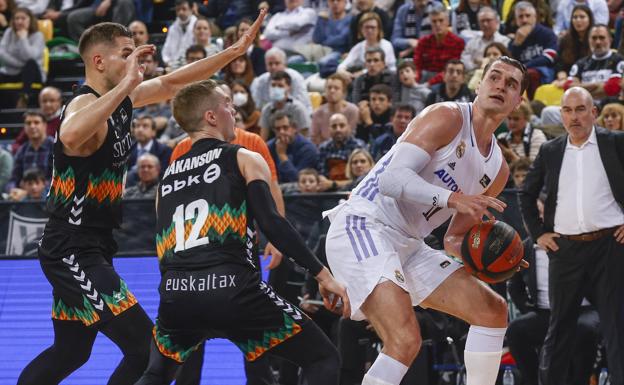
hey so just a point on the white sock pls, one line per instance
(385, 371)
(482, 355)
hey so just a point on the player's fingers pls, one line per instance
(255, 27)
(496, 204)
(524, 264)
(346, 306)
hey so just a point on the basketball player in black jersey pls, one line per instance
(211, 285)
(90, 156)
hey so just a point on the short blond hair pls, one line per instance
(192, 101)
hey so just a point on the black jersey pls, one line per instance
(598, 70)
(203, 218)
(86, 191)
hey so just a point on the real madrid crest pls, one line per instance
(460, 149)
(399, 276)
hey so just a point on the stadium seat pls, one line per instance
(46, 28)
(17, 86)
(548, 94)
(304, 68)
(316, 99)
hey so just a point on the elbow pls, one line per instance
(69, 140)
(388, 185)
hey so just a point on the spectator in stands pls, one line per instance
(180, 33)
(36, 152)
(523, 139)
(144, 131)
(370, 30)
(403, 114)
(612, 117)
(149, 171)
(290, 150)
(194, 53)
(7, 7)
(37, 7)
(239, 69)
(453, 88)
(360, 162)
(362, 7)
(50, 103)
(574, 42)
(275, 60)
(241, 98)
(21, 54)
(32, 187)
(332, 32)
(435, 50)
(526, 333)
(279, 93)
(375, 114)
(335, 93)
(408, 90)
(492, 52)
(535, 46)
(518, 170)
(227, 13)
(465, 22)
(601, 72)
(291, 28)
(308, 180)
(139, 32)
(6, 168)
(202, 35)
(544, 16)
(411, 22)
(376, 73)
(57, 11)
(564, 12)
(489, 24)
(89, 12)
(255, 52)
(152, 70)
(334, 153)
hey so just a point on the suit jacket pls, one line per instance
(544, 174)
(161, 151)
(522, 286)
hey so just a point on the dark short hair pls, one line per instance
(102, 33)
(282, 75)
(601, 25)
(35, 113)
(195, 48)
(182, 2)
(406, 64)
(374, 50)
(524, 84)
(521, 164)
(308, 171)
(381, 89)
(148, 117)
(405, 107)
(454, 61)
(280, 116)
(33, 175)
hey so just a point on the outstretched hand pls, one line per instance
(331, 291)
(135, 70)
(475, 206)
(240, 47)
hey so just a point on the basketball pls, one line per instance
(492, 251)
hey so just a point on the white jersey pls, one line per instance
(459, 167)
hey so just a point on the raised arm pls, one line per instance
(165, 87)
(279, 231)
(86, 116)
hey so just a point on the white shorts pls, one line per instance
(363, 252)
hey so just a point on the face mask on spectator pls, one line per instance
(240, 99)
(277, 94)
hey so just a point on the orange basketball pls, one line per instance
(492, 251)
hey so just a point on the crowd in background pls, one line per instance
(329, 86)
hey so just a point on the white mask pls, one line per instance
(240, 99)
(277, 94)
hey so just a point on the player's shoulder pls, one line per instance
(447, 115)
(79, 102)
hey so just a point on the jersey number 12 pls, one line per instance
(197, 209)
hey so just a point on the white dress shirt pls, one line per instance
(289, 30)
(178, 39)
(585, 202)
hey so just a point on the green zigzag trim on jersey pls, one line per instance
(255, 348)
(107, 186)
(220, 224)
(63, 185)
(120, 300)
(87, 315)
(168, 348)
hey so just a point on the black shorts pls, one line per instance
(225, 301)
(78, 265)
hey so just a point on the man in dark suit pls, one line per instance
(525, 335)
(582, 230)
(144, 132)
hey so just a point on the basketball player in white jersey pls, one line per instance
(447, 163)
